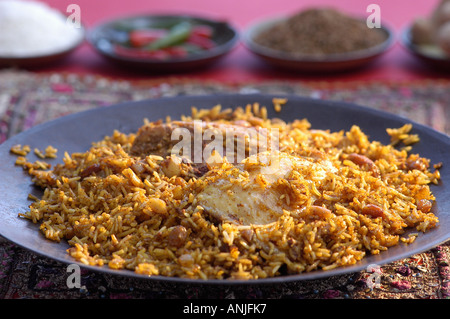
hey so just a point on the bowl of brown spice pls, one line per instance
(317, 40)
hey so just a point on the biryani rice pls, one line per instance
(122, 211)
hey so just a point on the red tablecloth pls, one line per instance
(241, 65)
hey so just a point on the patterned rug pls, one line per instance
(27, 99)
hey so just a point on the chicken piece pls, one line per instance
(251, 193)
(153, 139)
(235, 141)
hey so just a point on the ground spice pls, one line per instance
(318, 32)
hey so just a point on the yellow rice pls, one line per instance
(125, 217)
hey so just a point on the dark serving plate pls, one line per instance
(104, 35)
(313, 63)
(432, 57)
(75, 133)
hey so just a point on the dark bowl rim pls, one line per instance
(249, 33)
(408, 44)
(212, 53)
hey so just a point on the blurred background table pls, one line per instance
(240, 65)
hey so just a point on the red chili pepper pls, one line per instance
(176, 51)
(203, 31)
(140, 38)
(140, 54)
(202, 42)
